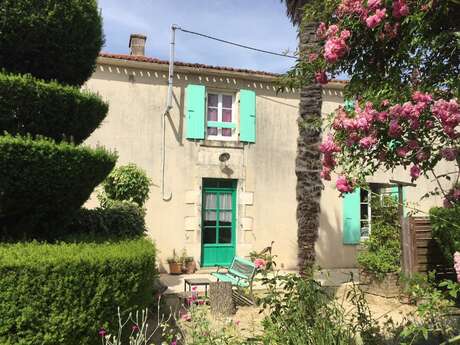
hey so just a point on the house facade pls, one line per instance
(222, 161)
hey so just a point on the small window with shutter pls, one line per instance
(216, 115)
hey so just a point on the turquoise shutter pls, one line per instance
(195, 112)
(352, 217)
(248, 116)
(394, 193)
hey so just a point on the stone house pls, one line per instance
(222, 160)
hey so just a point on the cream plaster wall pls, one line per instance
(137, 94)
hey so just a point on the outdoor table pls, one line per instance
(191, 282)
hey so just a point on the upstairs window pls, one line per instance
(221, 119)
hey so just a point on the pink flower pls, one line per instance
(394, 130)
(326, 173)
(345, 34)
(321, 77)
(367, 142)
(343, 185)
(329, 146)
(332, 30)
(174, 342)
(260, 263)
(385, 103)
(102, 332)
(418, 96)
(328, 161)
(321, 31)
(449, 115)
(186, 317)
(402, 151)
(336, 47)
(237, 322)
(373, 4)
(312, 57)
(194, 288)
(400, 9)
(422, 156)
(449, 153)
(134, 328)
(350, 7)
(457, 265)
(415, 172)
(375, 19)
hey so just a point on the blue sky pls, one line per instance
(259, 23)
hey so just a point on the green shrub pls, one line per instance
(382, 251)
(126, 183)
(29, 105)
(43, 183)
(51, 39)
(445, 224)
(121, 220)
(63, 293)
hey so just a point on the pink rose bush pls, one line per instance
(260, 263)
(385, 135)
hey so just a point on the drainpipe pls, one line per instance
(166, 111)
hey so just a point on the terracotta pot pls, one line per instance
(190, 267)
(175, 268)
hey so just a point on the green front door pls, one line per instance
(218, 222)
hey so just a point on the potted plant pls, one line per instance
(188, 263)
(175, 264)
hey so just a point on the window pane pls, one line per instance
(225, 235)
(226, 115)
(225, 216)
(212, 114)
(212, 131)
(210, 215)
(212, 100)
(209, 235)
(225, 201)
(364, 211)
(209, 223)
(226, 132)
(210, 201)
(227, 101)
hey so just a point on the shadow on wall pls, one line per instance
(330, 250)
(179, 129)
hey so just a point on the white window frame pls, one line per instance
(219, 136)
(369, 214)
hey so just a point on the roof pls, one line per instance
(194, 65)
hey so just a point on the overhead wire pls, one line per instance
(235, 44)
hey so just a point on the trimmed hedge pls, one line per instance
(63, 293)
(51, 39)
(121, 220)
(32, 106)
(43, 184)
(126, 183)
(445, 224)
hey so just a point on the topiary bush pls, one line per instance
(51, 39)
(121, 220)
(43, 183)
(445, 224)
(126, 183)
(63, 293)
(32, 106)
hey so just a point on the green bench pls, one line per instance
(240, 273)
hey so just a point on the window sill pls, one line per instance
(222, 143)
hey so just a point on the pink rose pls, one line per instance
(415, 172)
(321, 31)
(312, 57)
(373, 4)
(332, 30)
(402, 151)
(260, 263)
(326, 173)
(329, 146)
(367, 142)
(394, 130)
(343, 185)
(400, 9)
(449, 153)
(375, 19)
(457, 265)
(321, 77)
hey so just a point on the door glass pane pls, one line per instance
(225, 201)
(210, 215)
(225, 218)
(210, 201)
(225, 235)
(209, 235)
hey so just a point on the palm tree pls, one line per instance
(308, 160)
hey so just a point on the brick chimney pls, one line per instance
(137, 44)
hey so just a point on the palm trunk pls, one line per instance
(308, 160)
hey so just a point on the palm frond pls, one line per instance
(294, 9)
